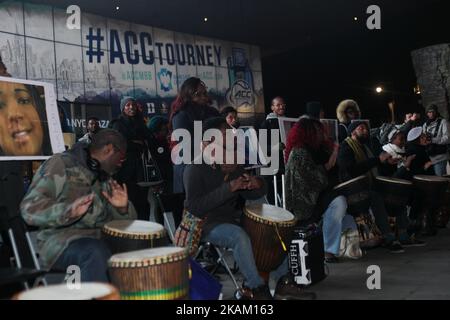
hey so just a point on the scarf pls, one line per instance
(362, 153)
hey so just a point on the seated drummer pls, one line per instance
(71, 197)
(212, 192)
(355, 159)
(310, 158)
(416, 146)
(417, 142)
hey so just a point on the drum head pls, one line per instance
(430, 178)
(146, 257)
(88, 291)
(269, 213)
(352, 181)
(394, 180)
(134, 227)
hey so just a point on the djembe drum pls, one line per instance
(131, 235)
(431, 189)
(356, 191)
(270, 230)
(151, 274)
(86, 291)
(396, 194)
(443, 214)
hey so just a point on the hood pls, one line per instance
(395, 151)
(343, 105)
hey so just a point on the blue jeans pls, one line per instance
(234, 237)
(90, 255)
(440, 168)
(336, 220)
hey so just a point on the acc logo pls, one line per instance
(241, 93)
(165, 79)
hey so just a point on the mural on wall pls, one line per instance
(108, 59)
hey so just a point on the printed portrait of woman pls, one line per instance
(23, 121)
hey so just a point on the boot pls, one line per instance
(287, 289)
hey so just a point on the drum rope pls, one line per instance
(281, 240)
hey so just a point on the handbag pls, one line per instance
(350, 247)
(189, 232)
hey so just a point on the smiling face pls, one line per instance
(278, 107)
(21, 132)
(130, 108)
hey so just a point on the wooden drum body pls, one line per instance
(431, 189)
(266, 225)
(131, 235)
(396, 193)
(443, 215)
(151, 274)
(86, 291)
(356, 191)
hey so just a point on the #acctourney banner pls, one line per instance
(30, 126)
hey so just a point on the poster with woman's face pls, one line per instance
(29, 121)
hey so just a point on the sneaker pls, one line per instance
(287, 289)
(259, 293)
(394, 247)
(412, 242)
(331, 258)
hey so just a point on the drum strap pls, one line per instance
(281, 240)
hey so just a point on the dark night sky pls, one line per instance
(351, 65)
(312, 49)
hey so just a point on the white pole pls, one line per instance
(284, 191)
(275, 195)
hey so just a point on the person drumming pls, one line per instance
(71, 197)
(212, 192)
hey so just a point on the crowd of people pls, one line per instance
(74, 193)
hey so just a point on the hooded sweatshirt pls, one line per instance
(396, 152)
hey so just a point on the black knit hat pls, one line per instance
(355, 124)
(432, 107)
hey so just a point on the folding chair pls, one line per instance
(24, 268)
(172, 206)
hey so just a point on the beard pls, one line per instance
(363, 139)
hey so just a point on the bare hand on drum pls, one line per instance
(428, 165)
(81, 206)
(238, 184)
(117, 196)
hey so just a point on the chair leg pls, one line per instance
(221, 259)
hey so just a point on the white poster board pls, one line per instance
(330, 127)
(30, 126)
(286, 125)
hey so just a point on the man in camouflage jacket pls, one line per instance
(71, 197)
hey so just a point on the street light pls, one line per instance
(379, 89)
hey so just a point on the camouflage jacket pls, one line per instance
(59, 181)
